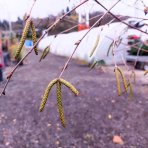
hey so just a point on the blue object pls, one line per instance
(28, 43)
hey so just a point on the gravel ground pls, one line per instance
(93, 118)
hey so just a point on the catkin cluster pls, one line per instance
(58, 83)
(29, 23)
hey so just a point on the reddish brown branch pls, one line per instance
(119, 18)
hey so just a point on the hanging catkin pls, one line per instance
(123, 79)
(95, 46)
(117, 81)
(46, 94)
(22, 40)
(44, 53)
(70, 86)
(59, 103)
(131, 90)
(34, 37)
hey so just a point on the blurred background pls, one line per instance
(98, 117)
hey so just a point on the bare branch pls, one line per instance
(119, 18)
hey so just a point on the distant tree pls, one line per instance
(5, 24)
(19, 21)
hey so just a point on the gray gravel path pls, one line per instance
(93, 118)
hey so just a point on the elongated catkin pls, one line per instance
(131, 90)
(59, 103)
(70, 86)
(93, 64)
(22, 40)
(46, 53)
(123, 79)
(34, 37)
(43, 53)
(117, 81)
(109, 48)
(95, 46)
(46, 94)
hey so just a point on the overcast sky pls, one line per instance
(11, 9)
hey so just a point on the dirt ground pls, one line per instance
(92, 118)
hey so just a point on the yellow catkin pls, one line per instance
(70, 86)
(22, 40)
(59, 103)
(46, 53)
(43, 53)
(131, 90)
(123, 79)
(46, 94)
(146, 72)
(117, 82)
(95, 46)
(34, 37)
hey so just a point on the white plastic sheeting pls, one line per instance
(64, 44)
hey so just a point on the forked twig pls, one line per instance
(119, 18)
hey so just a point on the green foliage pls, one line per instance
(137, 45)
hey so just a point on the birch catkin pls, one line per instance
(59, 103)
(46, 94)
(95, 46)
(70, 86)
(44, 53)
(34, 37)
(117, 81)
(131, 90)
(123, 79)
(24, 35)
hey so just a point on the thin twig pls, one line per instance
(28, 15)
(32, 7)
(138, 54)
(69, 29)
(138, 18)
(134, 45)
(119, 18)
